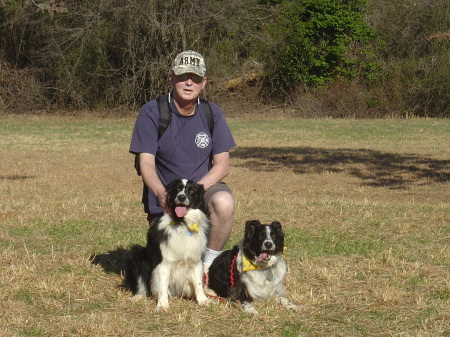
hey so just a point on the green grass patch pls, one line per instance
(330, 243)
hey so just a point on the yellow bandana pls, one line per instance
(247, 265)
(193, 227)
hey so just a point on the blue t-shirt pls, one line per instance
(184, 150)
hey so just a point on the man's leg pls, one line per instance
(220, 203)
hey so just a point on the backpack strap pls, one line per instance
(164, 114)
(208, 114)
(209, 118)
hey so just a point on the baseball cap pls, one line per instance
(189, 61)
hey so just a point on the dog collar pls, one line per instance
(247, 265)
(193, 228)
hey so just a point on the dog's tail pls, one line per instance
(133, 268)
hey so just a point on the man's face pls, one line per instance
(187, 87)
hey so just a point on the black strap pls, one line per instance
(164, 114)
(209, 119)
(208, 114)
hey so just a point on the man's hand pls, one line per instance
(161, 195)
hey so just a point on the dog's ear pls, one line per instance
(199, 201)
(276, 224)
(252, 223)
(171, 185)
(250, 228)
(201, 188)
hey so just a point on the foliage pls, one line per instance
(415, 57)
(106, 52)
(389, 57)
(314, 42)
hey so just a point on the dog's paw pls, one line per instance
(294, 307)
(162, 306)
(209, 292)
(289, 305)
(203, 300)
(249, 309)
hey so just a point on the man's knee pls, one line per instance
(222, 202)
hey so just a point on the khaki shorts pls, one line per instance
(218, 187)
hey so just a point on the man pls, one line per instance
(185, 149)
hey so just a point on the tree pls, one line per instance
(315, 41)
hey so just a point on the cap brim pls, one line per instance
(187, 71)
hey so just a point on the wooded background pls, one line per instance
(319, 58)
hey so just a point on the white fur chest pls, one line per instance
(185, 242)
(264, 283)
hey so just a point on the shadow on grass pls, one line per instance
(16, 177)
(114, 261)
(374, 168)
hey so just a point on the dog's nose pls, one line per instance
(181, 198)
(268, 245)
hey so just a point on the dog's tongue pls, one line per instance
(180, 211)
(262, 256)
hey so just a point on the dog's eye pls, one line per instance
(273, 235)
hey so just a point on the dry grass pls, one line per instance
(365, 206)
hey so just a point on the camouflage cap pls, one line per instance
(189, 62)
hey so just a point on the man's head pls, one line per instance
(189, 62)
(187, 76)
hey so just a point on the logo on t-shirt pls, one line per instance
(202, 140)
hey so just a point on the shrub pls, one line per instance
(414, 54)
(20, 91)
(316, 41)
(388, 56)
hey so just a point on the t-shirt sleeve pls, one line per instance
(145, 131)
(222, 138)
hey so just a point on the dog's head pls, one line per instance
(262, 241)
(183, 195)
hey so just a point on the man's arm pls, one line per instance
(220, 169)
(151, 179)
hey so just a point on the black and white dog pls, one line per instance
(171, 263)
(254, 269)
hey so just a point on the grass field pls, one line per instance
(365, 205)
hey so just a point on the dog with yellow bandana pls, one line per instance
(254, 269)
(171, 263)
